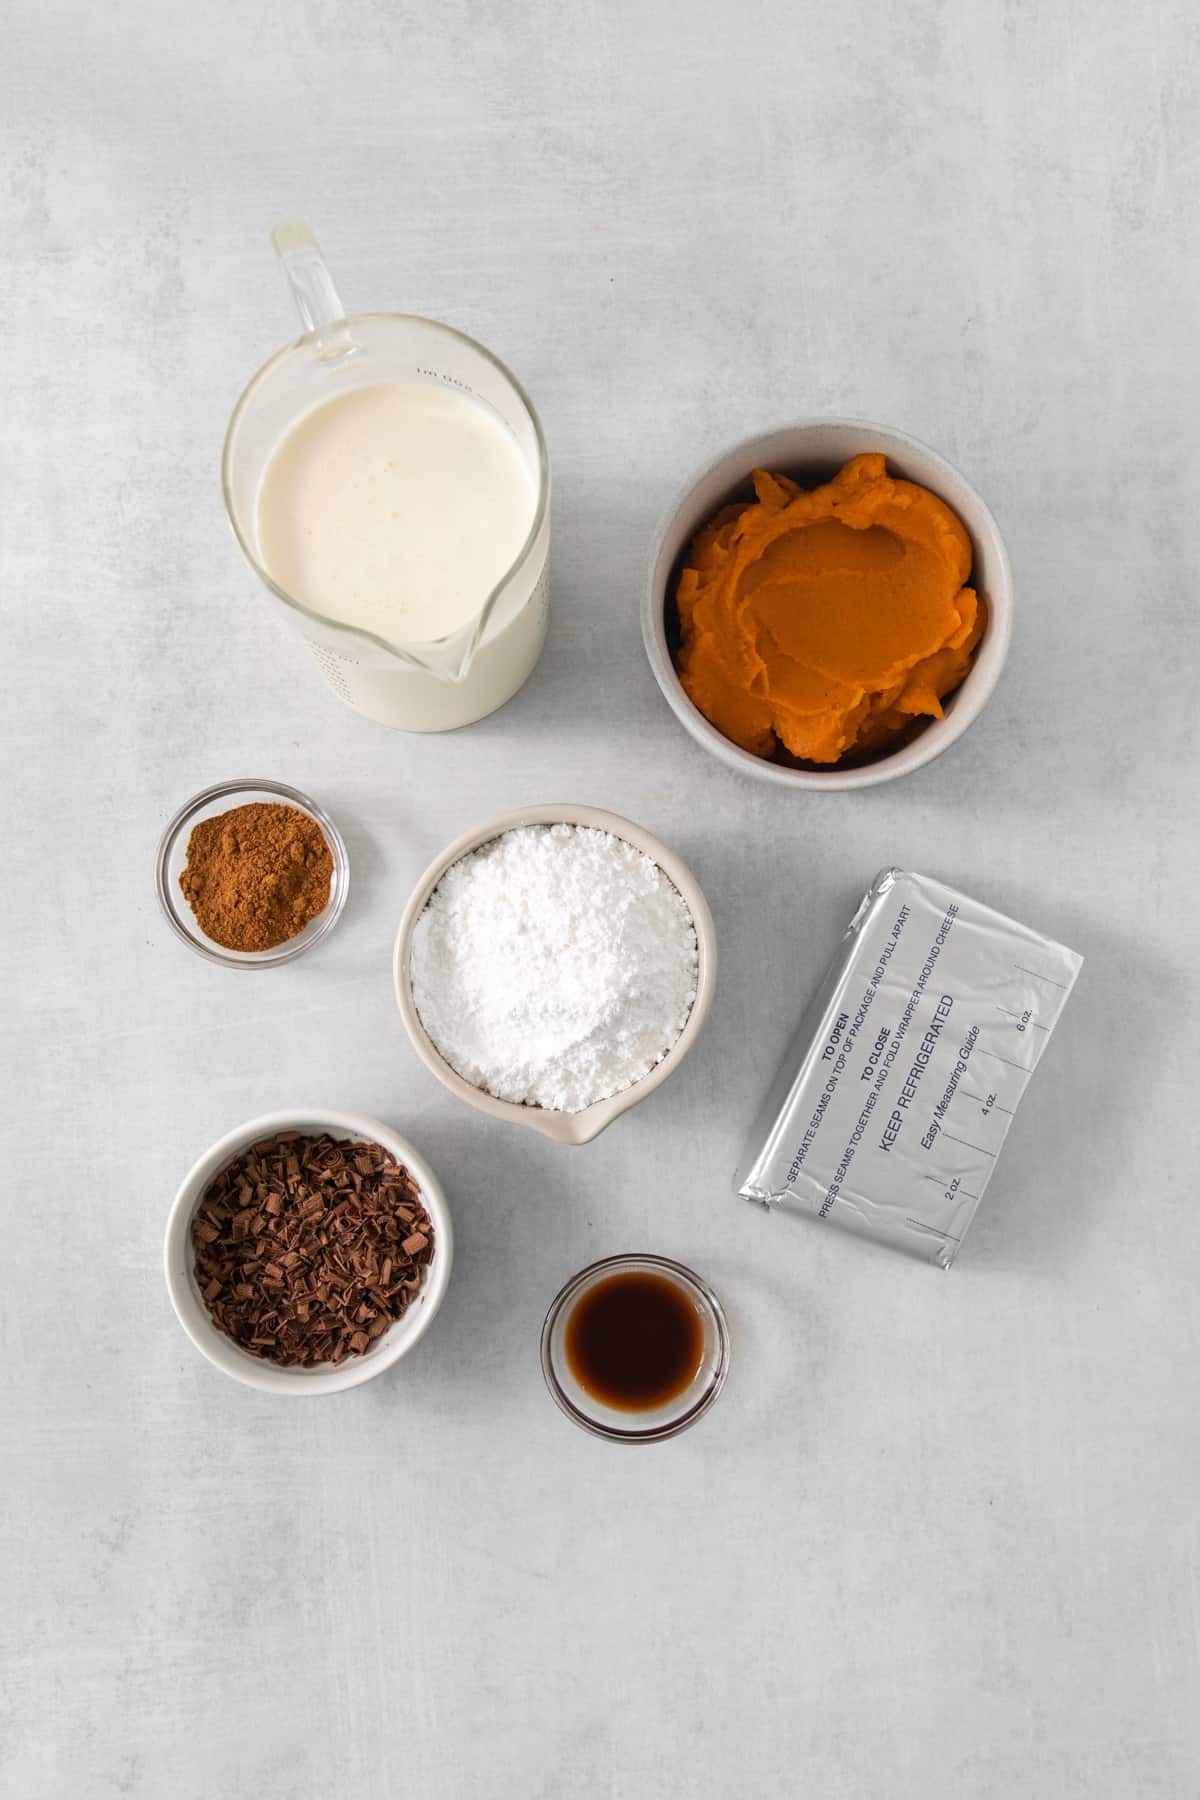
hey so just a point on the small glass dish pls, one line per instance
(172, 860)
(618, 1424)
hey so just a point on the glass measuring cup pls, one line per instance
(428, 686)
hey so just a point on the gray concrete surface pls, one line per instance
(939, 1540)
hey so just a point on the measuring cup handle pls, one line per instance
(311, 284)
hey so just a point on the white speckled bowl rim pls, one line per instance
(562, 1127)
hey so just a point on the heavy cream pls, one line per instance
(397, 508)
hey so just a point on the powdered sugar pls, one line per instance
(554, 966)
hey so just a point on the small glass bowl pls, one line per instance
(615, 1423)
(172, 860)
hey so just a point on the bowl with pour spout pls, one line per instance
(562, 1127)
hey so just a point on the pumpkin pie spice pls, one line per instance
(257, 875)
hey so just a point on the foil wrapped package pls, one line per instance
(896, 1098)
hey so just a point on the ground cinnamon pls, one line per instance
(255, 876)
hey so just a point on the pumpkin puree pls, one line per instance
(826, 622)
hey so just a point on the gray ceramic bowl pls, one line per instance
(812, 452)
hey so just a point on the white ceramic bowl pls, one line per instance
(563, 1127)
(812, 452)
(395, 1342)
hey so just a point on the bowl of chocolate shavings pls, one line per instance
(307, 1252)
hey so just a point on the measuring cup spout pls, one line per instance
(321, 311)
